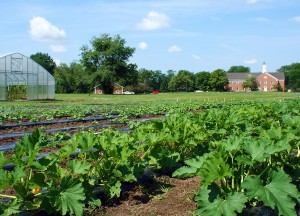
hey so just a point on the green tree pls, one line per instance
(292, 76)
(218, 80)
(238, 69)
(182, 81)
(107, 61)
(150, 78)
(251, 83)
(202, 80)
(72, 79)
(166, 78)
(278, 87)
(45, 60)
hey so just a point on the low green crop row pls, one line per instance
(247, 155)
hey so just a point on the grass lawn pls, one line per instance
(162, 97)
(174, 97)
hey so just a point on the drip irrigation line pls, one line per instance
(7, 126)
(49, 131)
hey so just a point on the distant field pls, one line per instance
(171, 97)
(162, 97)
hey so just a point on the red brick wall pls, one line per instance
(99, 91)
(236, 86)
(267, 82)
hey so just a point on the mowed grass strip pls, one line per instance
(161, 97)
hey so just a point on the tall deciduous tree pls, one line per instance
(218, 80)
(107, 60)
(182, 81)
(292, 76)
(72, 79)
(45, 60)
(202, 80)
(238, 69)
(150, 78)
(251, 83)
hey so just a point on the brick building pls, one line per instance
(117, 89)
(266, 81)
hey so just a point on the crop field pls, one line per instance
(84, 154)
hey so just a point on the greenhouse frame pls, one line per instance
(23, 78)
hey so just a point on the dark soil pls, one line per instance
(162, 196)
(4, 141)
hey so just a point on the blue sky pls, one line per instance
(194, 35)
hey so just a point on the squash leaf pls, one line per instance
(211, 204)
(68, 197)
(278, 191)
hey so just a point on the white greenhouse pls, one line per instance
(23, 78)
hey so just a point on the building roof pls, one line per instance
(244, 76)
(241, 76)
(114, 84)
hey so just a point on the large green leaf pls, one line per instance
(13, 207)
(192, 169)
(214, 168)
(255, 149)
(68, 197)
(277, 192)
(211, 204)
(4, 180)
(17, 174)
(79, 167)
(85, 140)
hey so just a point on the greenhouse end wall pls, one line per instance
(17, 70)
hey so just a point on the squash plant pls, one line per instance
(254, 166)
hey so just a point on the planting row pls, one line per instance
(246, 156)
(17, 114)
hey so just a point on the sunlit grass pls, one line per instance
(162, 97)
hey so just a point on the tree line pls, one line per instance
(106, 61)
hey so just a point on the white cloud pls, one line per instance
(58, 48)
(262, 19)
(251, 1)
(297, 19)
(42, 30)
(196, 57)
(174, 49)
(154, 21)
(257, 1)
(250, 61)
(143, 45)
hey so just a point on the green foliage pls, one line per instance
(238, 69)
(210, 202)
(202, 81)
(251, 84)
(151, 79)
(182, 81)
(72, 79)
(245, 153)
(246, 168)
(16, 92)
(218, 80)
(12, 207)
(45, 60)
(277, 192)
(68, 197)
(107, 61)
(292, 76)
